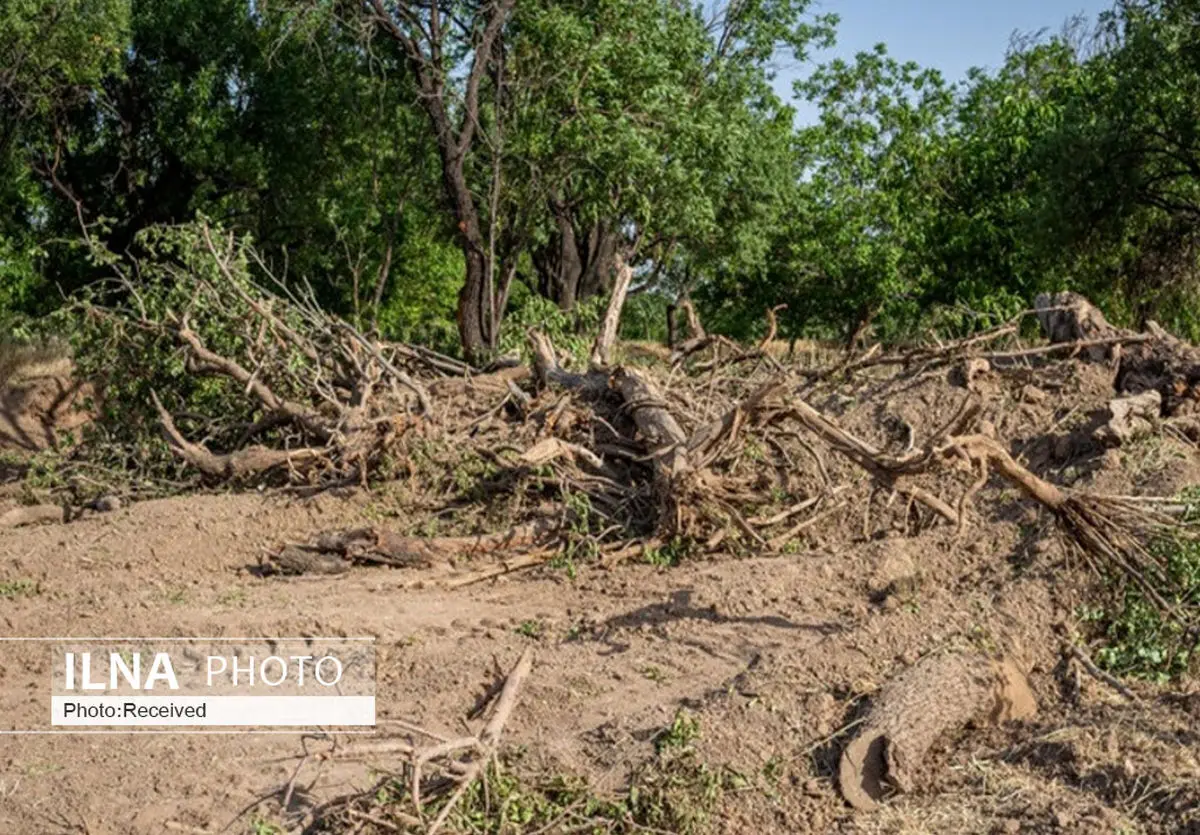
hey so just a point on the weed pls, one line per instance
(681, 733)
(531, 629)
(1139, 641)
(653, 673)
(261, 826)
(12, 589)
(232, 597)
(670, 554)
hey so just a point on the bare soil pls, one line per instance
(775, 655)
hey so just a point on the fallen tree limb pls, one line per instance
(489, 738)
(243, 463)
(384, 547)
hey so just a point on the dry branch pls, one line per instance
(489, 738)
(234, 466)
(384, 547)
(602, 348)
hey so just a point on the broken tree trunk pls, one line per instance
(667, 442)
(939, 695)
(1154, 360)
(602, 348)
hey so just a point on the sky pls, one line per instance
(950, 35)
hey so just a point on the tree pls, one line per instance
(649, 131)
(55, 55)
(437, 40)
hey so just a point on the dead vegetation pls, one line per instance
(719, 449)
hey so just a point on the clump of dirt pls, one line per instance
(41, 403)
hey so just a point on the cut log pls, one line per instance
(656, 425)
(939, 695)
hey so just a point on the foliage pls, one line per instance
(571, 332)
(131, 355)
(672, 792)
(646, 127)
(1138, 640)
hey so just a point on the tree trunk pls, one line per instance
(602, 347)
(575, 266)
(473, 331)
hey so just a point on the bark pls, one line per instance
(939, 695)
(575, 266)
(602, 348)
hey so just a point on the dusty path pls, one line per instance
(621, 647)
(773, 654)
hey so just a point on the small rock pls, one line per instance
(813, 788)
(1064, 820)
(107, 504)
(1033, 394)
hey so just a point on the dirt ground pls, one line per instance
(774, 656)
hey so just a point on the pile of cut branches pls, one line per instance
(721, 447)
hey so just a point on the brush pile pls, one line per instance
(714, 448)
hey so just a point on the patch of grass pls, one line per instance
(680, 734)
(654, 673)
(1139, 640)
(671, 554)
(261, 826)
(673, 792)
(531, 629)
(582, 542)
(232, 597)
(12, 589)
